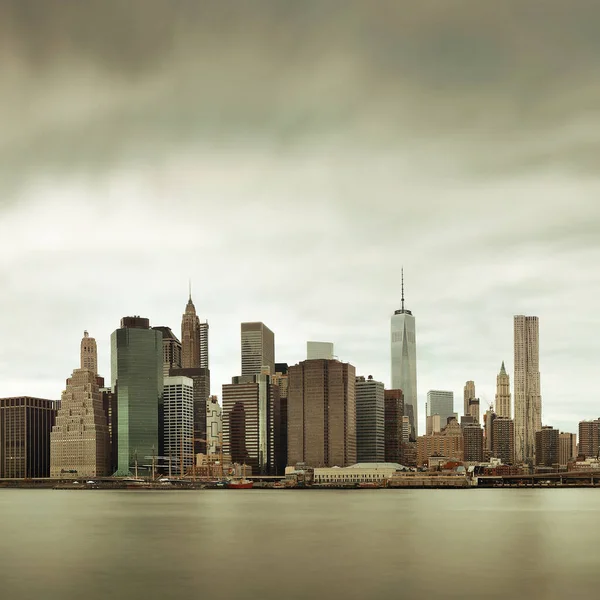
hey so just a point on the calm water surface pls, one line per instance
(367, 544)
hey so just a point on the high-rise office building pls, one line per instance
(178, 402)
(258, 349)
(110, 407)
(319, 350)
(137, 380)
(589, 438)
(404, 361)
(547, 447)
(194, 339)
(249, 405)
(433, 424)
(25, 426)
(214, 426)
(394, 411)
(171, 350)
(528, 400)
(194, 364)
(503, 393)
(280, 379)
(322, 414)
(370, 420)
(567, 450)
(469, 393)
(473, 443)
(488, 421)
(440, 403)
(88, 353)
(503, 440)
(474, 410)
(80, 441)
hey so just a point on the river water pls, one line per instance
(286, 544)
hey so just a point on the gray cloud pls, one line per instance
(289, 157)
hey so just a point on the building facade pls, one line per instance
(528, 400)
(393, 430)
(80, 440)
(249, 405)
(440, 403)
(503, 408)
(25, 426)
(171, 350)
(322, 413)
(280, 379)
(469, 393)
(473, 443)
(194, 339)
(214, 426)
(547, 447)
(178, 402)
(589, 438)
(448, 443)
(137, 381)
(319, 350)
(503, 440)
(474, 410)
(404, 361)
(567, 450)
(258, 349)
(370, 420)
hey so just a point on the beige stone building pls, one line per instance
(322, 413)
(449, 442)
(469, 393)
(567, 448)
(79, 441)
(503, 393)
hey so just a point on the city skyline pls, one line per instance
(373, 146)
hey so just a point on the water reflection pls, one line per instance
(298, 544)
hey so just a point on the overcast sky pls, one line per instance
(289, 157)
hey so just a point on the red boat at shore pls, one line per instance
(240, 484)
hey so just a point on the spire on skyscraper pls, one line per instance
(402, 275)
(502, 369)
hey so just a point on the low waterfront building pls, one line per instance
(378, 473)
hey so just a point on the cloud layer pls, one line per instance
(289, 158)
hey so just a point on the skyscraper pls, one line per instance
(214, 426)
(469, 393)
(503, 393)
(567, 448)
(440, 403)
(137, 380)
(194, 361)
(404, 361)
(258, 348)
(473, 443)
(589, 438)
(89, 353)
(249, 404)
(474, 410)
(322, 413)
(394, 411)
(171, 350)
(370, 420)
(503, 440)
(178, 400)
(528, 400)
(280, 379)
(79, 442)
(25, 426)
(547, 447)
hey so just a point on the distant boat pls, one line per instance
(240, 484)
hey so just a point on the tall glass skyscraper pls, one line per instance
(404, 361)
(137, 379)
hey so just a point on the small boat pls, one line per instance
(240, 484)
